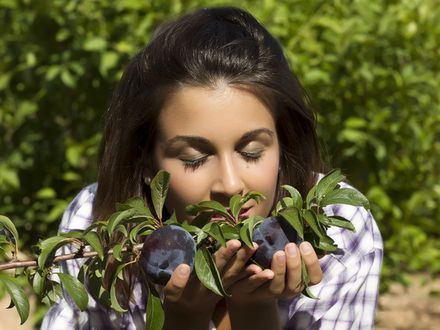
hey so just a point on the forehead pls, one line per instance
(218, 112)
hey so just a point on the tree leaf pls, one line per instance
(310, 217)
(93, 239)
(213, 230)
(117, 217)
(336, 221)
(310, 197)
(346, 196)
(18, 296)
(155, 313)
(49, 246)
(208, 206)
(159, 190)
(235, 205)
(9, 226)
(39, 282)
(207, 271)
(75, 289)
(113, 278)
(328, 183)
(245, 236)
(117, 251)
(293, 217)
(295, 195)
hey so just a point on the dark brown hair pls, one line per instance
(202, 48)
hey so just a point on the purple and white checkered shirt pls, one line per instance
(347, 293)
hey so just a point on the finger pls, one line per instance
(177, 283)
(253, 282)
(278, 267)
(312, 263)
(235, 269)
(224, 254)
(293, 265)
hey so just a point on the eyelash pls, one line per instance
(251, 157)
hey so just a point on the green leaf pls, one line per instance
(113, 278)
(245, 235)
(213, 229)
(95, 44)
(255, 195)
(18, 296)
(172, 220)
(117, 218)
(138, 229)
(49, 246)
(310, 197)
(293, 217)
(235, 205)
(328, 183)
(208, 206)
(9, 226)
(310, 217)
(155, 313)
(207, 272)
(117, 251)
(296, 196)
(346, 196)
(159, 190)
(337, 222)
(39, 282)
(93, 239)
(75, 289)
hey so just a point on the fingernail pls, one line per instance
(306, 248)
(291, 250)
(183, 270)
(281, 258)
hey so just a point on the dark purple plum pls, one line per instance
(164, 250)
(271, 236)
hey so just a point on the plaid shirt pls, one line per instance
(347, 293)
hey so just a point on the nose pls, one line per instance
(228, 181)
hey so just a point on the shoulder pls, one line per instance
(78, 214)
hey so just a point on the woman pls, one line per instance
(211, 100)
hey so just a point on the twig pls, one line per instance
(64, 257)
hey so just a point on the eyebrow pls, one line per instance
(201, 141)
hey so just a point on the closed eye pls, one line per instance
(194, 164)
(251, 157)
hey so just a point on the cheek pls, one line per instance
(186, 188)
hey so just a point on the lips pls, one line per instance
(244, 214)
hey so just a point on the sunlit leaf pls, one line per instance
(155, 313)
(118, 217)
(207, 272)
(328, 183)
(9, 226)
(159, 189)
(75, 289)
(346, 196)
(18, 296)
(293, 217)
(235, 205)
(93, 239)
(297, 200)
(49, 246)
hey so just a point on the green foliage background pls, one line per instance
(371, 67)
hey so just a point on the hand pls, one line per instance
(186, 297)
(282, 281)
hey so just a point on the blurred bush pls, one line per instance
(371, 68)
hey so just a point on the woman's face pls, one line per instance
(216, 143)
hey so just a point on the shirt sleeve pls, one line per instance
(348, 292)
(65, 314)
